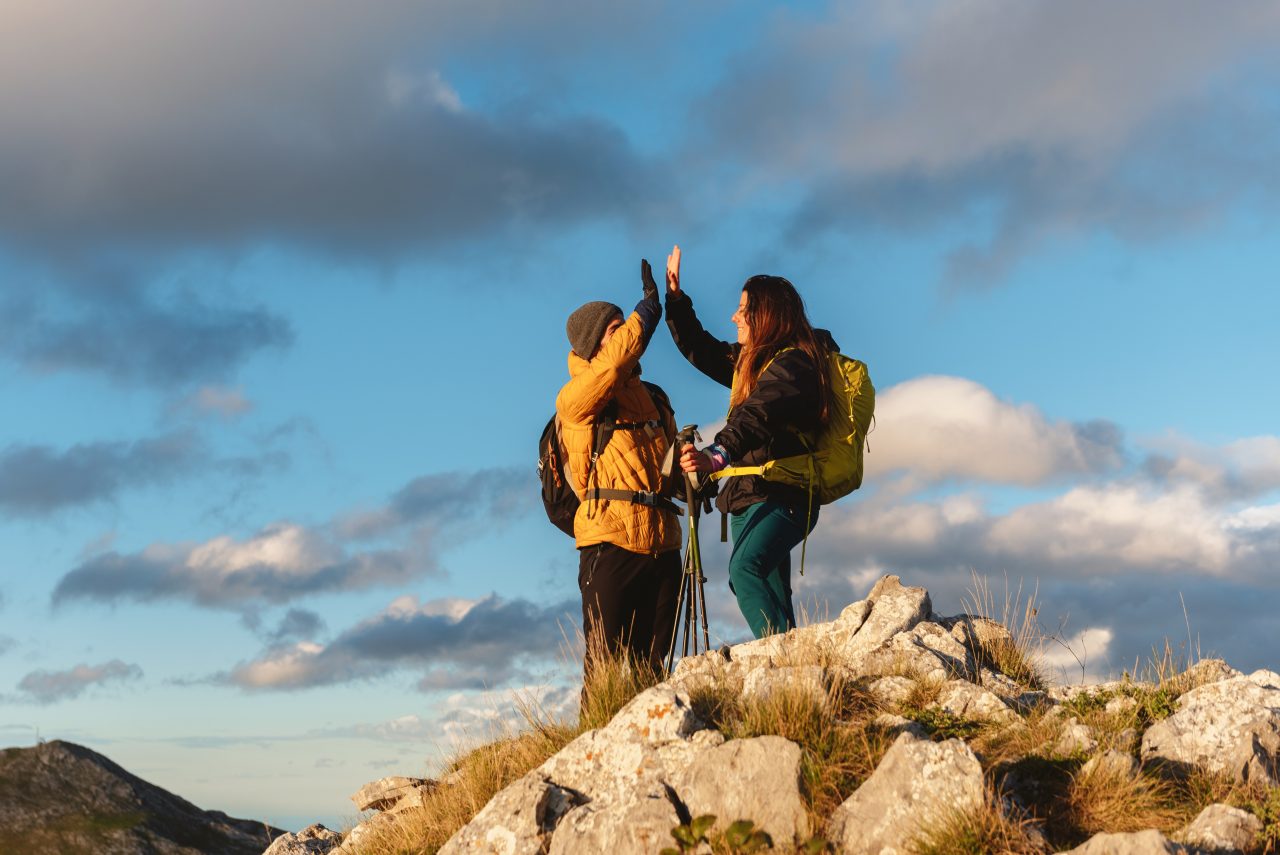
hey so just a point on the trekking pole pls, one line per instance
(697, 613)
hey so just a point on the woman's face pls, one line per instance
(740, 318)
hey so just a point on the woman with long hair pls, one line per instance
(779, 399)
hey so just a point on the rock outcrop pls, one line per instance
(1230, 726)
(65, 798)
(917, 679)
(917, 785)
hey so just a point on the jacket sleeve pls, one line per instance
(708, 354)
(584, 396)
(785, 399)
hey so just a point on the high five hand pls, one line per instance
(673, 271)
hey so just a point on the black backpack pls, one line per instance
(558, 498)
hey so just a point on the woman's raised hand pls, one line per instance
(673, 271)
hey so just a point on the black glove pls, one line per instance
(646, 277)
(650, 307)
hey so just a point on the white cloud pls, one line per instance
(1081, 658)
(1117, 526)
(937, 428)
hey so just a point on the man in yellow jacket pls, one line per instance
(628, 536)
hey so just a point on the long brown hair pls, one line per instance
(777, 320)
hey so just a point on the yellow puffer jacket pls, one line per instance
(631, 461)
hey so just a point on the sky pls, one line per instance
(282, 300)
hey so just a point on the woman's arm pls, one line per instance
(708, 354)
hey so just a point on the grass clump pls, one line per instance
(979, 832)
(840, 744)
(1017, 649)
(1106, 798)
(942, 725)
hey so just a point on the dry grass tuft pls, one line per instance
(986, 830)
(840, 744)
(1108, 799)
(1019, 655)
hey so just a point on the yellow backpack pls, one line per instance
(834, 468)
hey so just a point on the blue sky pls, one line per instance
(282, 299)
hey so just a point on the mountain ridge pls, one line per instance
(62, 797)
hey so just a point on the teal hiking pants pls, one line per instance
(760, 564)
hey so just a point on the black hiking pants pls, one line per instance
(628, 602)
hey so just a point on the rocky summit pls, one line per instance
(889, 730)
(58, 797)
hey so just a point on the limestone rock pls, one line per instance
(976, 632)
(1209, 671)
(762, 682)
(1222, 828)
(385, 792)
(892, 689)
(1075, 738)
(516, 820)
(890, 609)
(896, 725)
(756, 779)
(312, 840)
(1111, 764)
(606, 791)
(635, 827)
(964, 699)
(861, 628)
(356, 838)
(927, 651)
(1121, 704)
(916, 784)
(1231, 726)
(1149, 842)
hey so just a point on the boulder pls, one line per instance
(1110, 764)
(1222, 828)
(916, 784)
(1074, 738)
(762, 682)
(385, 792)
(862, 627)
(1231, 726)
(756, 779)
(606, 791)
(893, 689)
(1149, 842)
(927, 651)
(889, 609)
(964, 699)
(633, 827)
(312, 840)
(516, 820)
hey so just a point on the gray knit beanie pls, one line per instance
(587, 324)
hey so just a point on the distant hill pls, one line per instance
(63, 798)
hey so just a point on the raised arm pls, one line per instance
(710, 355)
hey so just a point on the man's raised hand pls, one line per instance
(646, 279)
(673, 271)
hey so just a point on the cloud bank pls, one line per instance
(285, 561)
(1029, 121)
(458, 644)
